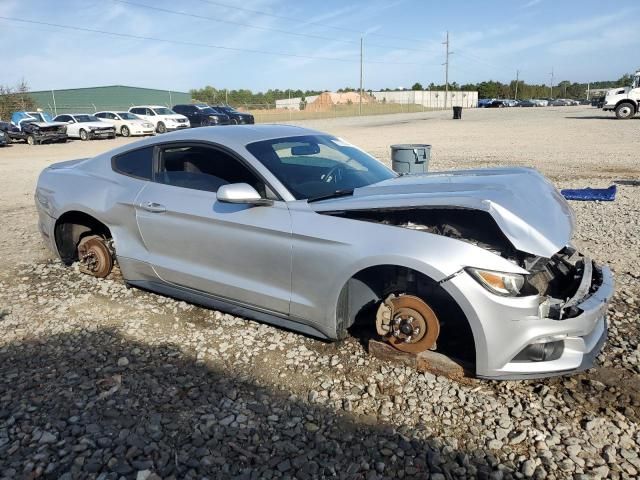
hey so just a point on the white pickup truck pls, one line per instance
(624, 101)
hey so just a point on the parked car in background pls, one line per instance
(12, 132)
(510, 102)
(236, 117)
(202, 115)
(163, 119)
(559, 102)
(126, 123)
(483, 102)
(496, 104)
(526, 103)
(540, 102)
(4, 138)
(37, 127)
(301, 229)
(85, 126)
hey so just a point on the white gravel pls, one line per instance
(100, 381)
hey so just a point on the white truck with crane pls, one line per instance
(624, 101)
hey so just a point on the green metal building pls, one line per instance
(112, 97)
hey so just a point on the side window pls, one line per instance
(203, 168)
(137, 111)
(101, 115)
(149, 112)
(137, 163)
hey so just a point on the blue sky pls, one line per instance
(581, 40)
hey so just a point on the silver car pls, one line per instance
(304, 230)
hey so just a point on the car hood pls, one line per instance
(527, 207)
(47, 124)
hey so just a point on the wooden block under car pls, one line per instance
(427, 361)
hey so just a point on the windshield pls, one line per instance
(85, 118)
(318, 165)
(228, 109)
(127, 116)
(207, 110)
(164, 111)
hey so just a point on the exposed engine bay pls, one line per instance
(565, 279)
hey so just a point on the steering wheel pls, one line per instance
(333, 175)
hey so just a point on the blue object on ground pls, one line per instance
(591, 194)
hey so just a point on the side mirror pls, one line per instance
(241, 193)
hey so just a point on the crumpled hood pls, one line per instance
(527, 207)
(49, 124)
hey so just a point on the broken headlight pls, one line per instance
(500, 283)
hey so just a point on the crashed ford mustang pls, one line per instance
(303, 230)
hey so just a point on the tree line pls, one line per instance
(486, 89)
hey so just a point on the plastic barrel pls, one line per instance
(410, 158)
(457, 113)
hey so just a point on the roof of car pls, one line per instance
(148, 106)
(233, 136)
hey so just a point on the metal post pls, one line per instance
(446, 70)
(55, 108)
(551, 87)
(361, 74)
(517, 77)
(226, 96)
(588, 90)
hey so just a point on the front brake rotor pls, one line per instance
(95, 256)
(407, 323)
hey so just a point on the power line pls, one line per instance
(195, 44)
(259, 27)
(320, 24)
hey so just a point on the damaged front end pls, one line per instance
(550, 320)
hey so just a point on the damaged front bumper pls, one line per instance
(527, 337)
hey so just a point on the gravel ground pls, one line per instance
(101, 381)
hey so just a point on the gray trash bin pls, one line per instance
(410, 158)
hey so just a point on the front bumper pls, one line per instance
(46, 137)
(102, 133)
(505, 326)
(177, 126)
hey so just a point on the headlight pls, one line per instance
(500, 283)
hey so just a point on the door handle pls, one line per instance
(153, 207)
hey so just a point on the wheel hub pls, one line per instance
(407, 323)
(95, 256)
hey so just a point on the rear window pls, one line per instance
(136, 163)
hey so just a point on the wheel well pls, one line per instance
(70, 228)
(360, 297)
(628, 100)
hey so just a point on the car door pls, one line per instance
(235, 252)
(72, 126)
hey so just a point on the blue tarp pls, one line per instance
(590, 194)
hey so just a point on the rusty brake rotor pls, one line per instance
(407, 323)
(95, 256)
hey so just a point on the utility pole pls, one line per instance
(226, 96)
(551, 88)
(517, 78)
(588, 89)
(446, 70)
(361, 74)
